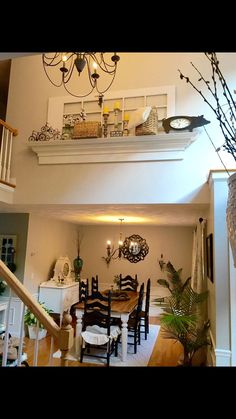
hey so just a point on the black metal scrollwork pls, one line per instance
(135, 248)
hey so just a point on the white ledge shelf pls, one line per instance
(114, 149)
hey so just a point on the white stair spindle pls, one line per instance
(20, 349)
(36, 346)
(5, 349)
(5, 156)
(9, 156)
(51, 351)
(2, 150)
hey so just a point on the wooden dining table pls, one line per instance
(119, 309)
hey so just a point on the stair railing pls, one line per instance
(6, 134)
(64, 335)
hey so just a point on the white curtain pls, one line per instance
(198, 281)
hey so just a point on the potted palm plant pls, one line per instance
(31, 321)
(182, 318)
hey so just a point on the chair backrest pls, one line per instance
(140, 304)
(94, 284)
(97, 311)
(83, 290)
(147, 300)
(128, 283)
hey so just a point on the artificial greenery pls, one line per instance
(181, 319)
(31, 320)
(117, 281)
(2, 287)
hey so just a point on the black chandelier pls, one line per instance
(71, 64)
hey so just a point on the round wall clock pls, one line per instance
(62, 268)
(183, 123)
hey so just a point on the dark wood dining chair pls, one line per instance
(127, 283)
(144, 324)
(134, 322)
(94, 284)
(83, 290)
(97, 330)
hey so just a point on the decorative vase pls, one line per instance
(231, 214)
(78, 264)
(33, 333)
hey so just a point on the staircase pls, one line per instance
(64, 335)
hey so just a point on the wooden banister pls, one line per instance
(29, 300)
(7, 126)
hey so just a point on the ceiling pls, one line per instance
(9, 55)
(146, 214)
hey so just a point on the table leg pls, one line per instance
(79, 315)
(124, 335)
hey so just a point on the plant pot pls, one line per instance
(231, 214)
(33, 331)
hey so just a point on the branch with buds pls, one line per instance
(218, 86)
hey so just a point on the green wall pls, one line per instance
(17, 224)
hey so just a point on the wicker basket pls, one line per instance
(87, 129)
(150, 126)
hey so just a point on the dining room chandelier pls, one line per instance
(71, 65)
(112, 251)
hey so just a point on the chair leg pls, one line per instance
(81, 354)
(116, 347)
(108, 354)
(146, 328)
(139, 334)
(135, 342)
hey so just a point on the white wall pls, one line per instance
(219, 292)
(48, 239)
(161, 182)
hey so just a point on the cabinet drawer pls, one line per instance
(75, 294)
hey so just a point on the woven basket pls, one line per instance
(150, 126)
(87, 129)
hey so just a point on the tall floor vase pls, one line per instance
(231, 214)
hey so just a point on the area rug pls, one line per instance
(140, 359)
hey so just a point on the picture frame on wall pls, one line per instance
(209, 257)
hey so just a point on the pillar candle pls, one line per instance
(105, 110)
(117, 105)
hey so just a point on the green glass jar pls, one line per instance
(78, 264)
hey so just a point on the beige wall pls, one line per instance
(153, 182)
(48, 239)
(174, 242)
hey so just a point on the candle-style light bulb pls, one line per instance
(95, 66)
(64, 57)
(63, 69)
(95, 75)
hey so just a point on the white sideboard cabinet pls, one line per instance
(59, 298)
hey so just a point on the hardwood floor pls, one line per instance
(165, 352)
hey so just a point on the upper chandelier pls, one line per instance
(71, 65)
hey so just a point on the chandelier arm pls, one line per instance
(49, 61)
(72, 94)
(57, 59)
(67, 76)
(92, 82)
(54, 84)
(103, 91)
(106, 65)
